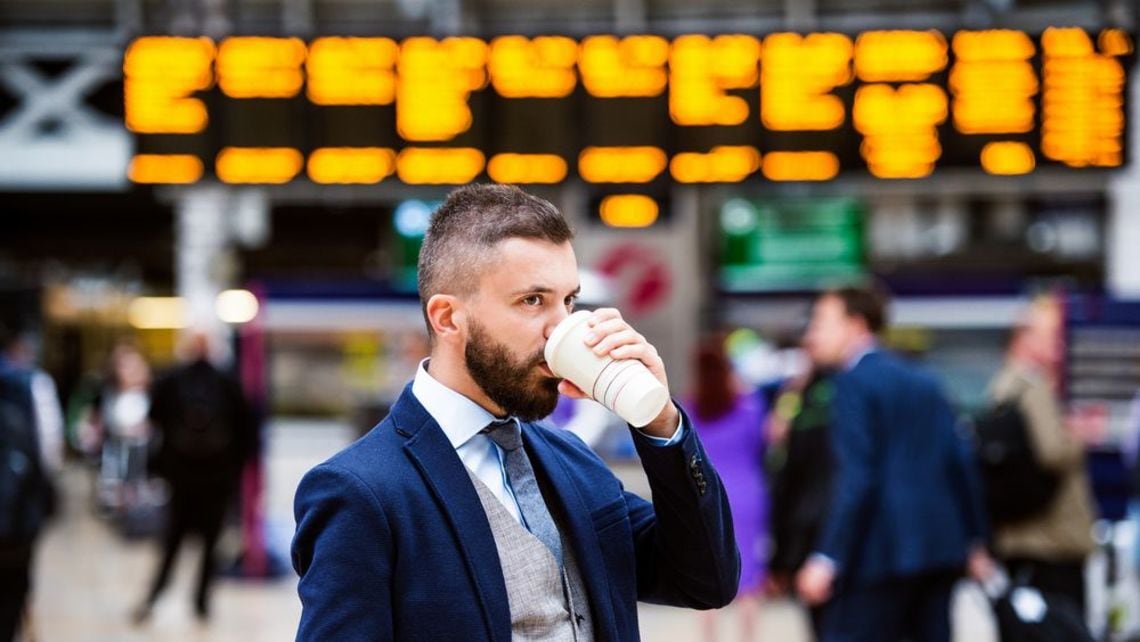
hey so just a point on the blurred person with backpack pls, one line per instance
(29, 455)
(1039, 498)
(206, 431)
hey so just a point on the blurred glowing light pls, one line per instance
(702, 69)
(436, 166)
(1082, 106)
(993, 82)
(738, 217)
(259, 67)
(628, 210)
(895, 56)
(800, 166)
(173, 169)
(434, 79)
(157, 313)
(269, 165)
(362, 165)
(630, 66)
(159, 75)
(741, 341)
(621, 164)
(352, 71)
(412, 218)
(1114, 42)
(526, 168)
(724, 164)
(992, 44)
(1007, 158)
(899, 127)
(797, 77)
(538, 68)
(236, 306)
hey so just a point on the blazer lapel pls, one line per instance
(587, 546)
(447, 478)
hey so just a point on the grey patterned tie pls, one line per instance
(508, 436)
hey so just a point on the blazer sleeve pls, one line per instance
(684, 542)
(342, 552)
(855, 482)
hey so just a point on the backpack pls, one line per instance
(1024, 614)
(1017, 487)
(25, 492)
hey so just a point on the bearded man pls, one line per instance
(460, 518)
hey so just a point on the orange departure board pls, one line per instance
(630, 112)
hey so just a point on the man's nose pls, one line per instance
(556, 317)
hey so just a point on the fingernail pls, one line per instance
(590, 337)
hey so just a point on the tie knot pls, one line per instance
(506, 433)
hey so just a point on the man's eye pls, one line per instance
(533, 299)
(570, 301)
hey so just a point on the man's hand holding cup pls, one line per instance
(600, 356)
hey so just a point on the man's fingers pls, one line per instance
(604, 329)
(611, 335)
(622, 338)
(603, 314)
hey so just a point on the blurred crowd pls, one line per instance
(165, 457)
(858, 488)
(856, 485)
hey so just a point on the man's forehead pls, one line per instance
(534, 265)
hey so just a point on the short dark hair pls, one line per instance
(866, 302)
(469, 224)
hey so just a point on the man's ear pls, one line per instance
(447, 317)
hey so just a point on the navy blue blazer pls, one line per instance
(392, 542)
(907, 497)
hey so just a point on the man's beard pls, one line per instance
(515, 386)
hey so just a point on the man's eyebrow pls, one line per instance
(543, 289)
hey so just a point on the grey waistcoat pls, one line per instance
(536, 587)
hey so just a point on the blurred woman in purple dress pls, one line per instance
(730, 421)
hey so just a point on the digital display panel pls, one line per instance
(638, 111)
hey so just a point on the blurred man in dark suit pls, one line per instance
(906, 515)
(207, 432)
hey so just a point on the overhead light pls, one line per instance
(412, 217)
(157, 313)
(237, 306)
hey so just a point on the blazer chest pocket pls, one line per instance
(618, 556)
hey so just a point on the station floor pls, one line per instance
(89, 578)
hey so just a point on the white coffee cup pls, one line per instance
(625, 386)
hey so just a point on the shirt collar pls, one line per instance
(863, 352)
(459, 417)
